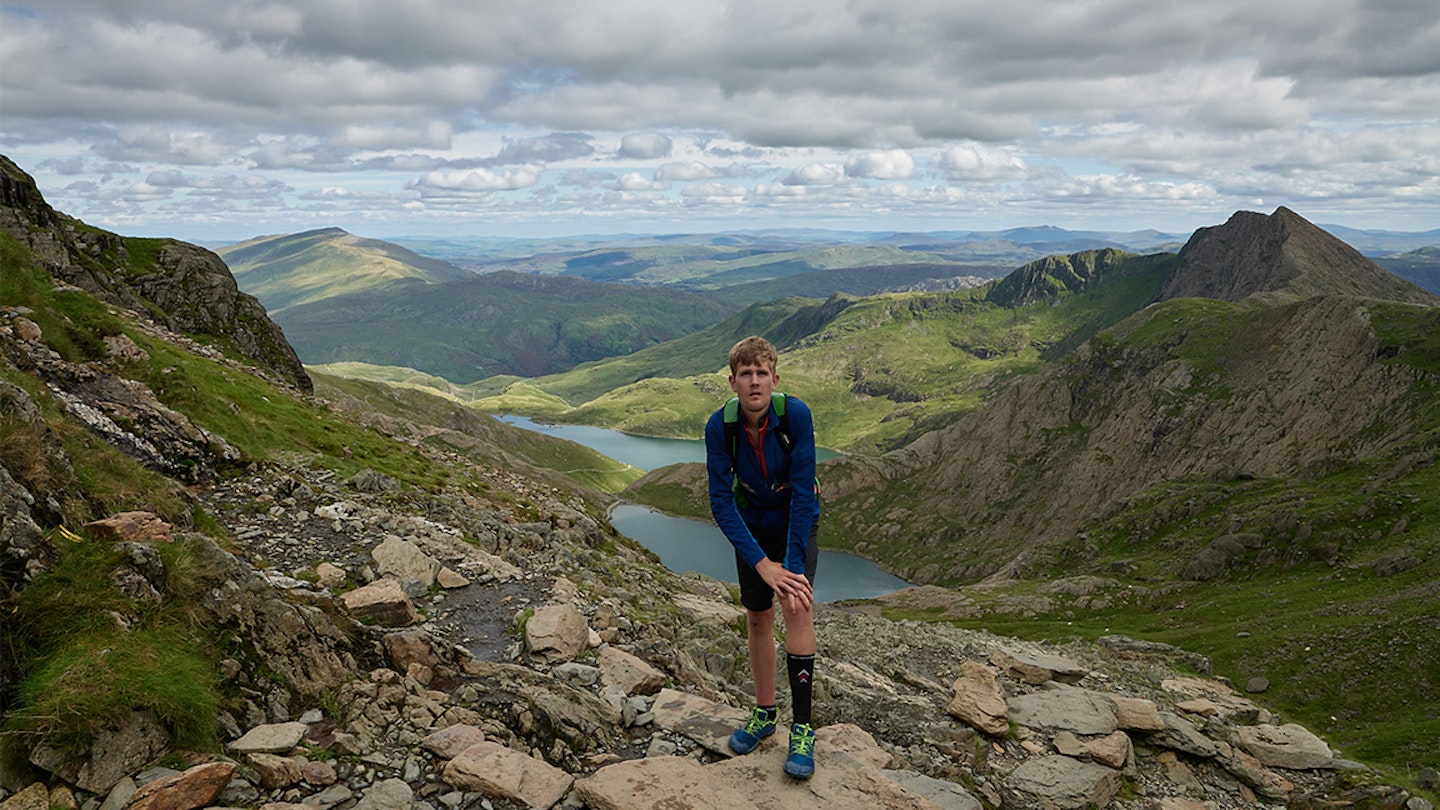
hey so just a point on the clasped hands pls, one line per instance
(792, 588)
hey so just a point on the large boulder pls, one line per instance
(1288, 746)
(1066, 783)
(501, 772)
(556, 633)
(979, 699)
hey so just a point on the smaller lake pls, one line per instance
(692, 545)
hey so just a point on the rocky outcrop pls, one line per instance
(185, 288)
(124, 412)
(1044, 279)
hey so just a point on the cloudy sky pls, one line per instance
(222, 119)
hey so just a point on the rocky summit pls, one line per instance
(369, 620)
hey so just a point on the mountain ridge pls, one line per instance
(1285, 254)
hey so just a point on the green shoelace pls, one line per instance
(758, 721)
(802, 740)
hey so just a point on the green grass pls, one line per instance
(85, 671)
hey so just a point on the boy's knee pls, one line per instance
(798, 616)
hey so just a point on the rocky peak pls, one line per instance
(187, 288)
(1281, 254)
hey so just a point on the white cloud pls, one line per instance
(893, 164)
(687, 172)
(645, 146)
(634, 181)
(975, 161)
(815, 174)
(821, 108)
(476, 181)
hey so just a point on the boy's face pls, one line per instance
(754, 384)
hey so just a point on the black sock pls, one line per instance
(802, 674)
(770, 712)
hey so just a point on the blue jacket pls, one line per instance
(772, 503)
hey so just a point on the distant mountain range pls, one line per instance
(343, 298)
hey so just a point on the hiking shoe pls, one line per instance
(801, 762)
(760, 725)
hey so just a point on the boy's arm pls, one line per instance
(722, 496)
(803, 499)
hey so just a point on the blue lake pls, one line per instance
(692, 545)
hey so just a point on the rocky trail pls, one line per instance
(626, 680)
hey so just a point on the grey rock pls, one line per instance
(943, 794)
(389, 794)
(1066, 783)
(631, 674)
(274, 738)
(115, 754)
(1181, 735)
(406, 562)
(556, 633)
(1078, 710)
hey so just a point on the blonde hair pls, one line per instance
(753, 351)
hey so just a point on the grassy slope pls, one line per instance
(451, 425)
(288, 270)
(499, 323)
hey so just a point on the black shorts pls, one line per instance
(754, 593)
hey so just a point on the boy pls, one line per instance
(762, 495)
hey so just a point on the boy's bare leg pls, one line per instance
(760, 634)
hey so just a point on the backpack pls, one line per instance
(731, 419)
